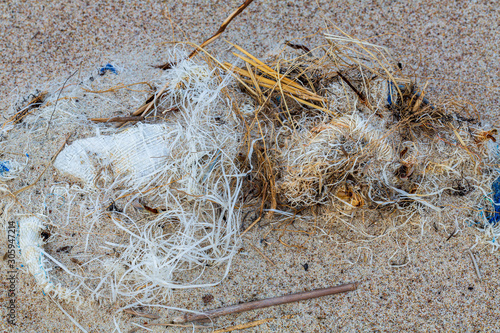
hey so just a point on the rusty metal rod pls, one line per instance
(265, 303)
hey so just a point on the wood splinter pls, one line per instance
(222, 28)
(141, 314)
(117, 119)
(210, 314)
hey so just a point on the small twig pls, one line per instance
(252, 225)
(452, 234)
(141, 110)
(117, 119)
(59, 95)
(165, 324)
(150, 102)
(476, 267)
(420, 98)
(260, 212)
(262, 254)
(298, 46)
(35, 102)
(360, 94)
(214, 37)
(210, 314)
(141, 314)
(243, 326)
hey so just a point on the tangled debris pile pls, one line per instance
(364, 141)
(154, 203)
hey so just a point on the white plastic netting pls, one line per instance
(139, 211)
(30, 246)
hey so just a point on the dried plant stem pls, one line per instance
(266, 303)
(34, 103)
(262, 254)
(216, 35)
(141, 314)
(260, 212)
(167, 325)
(146, 107)
(360, 94)
(243, 326)
(476, 267)
(264, 68)
(223, 26)
(57, 100)
(252, 225)
(151, 101)
(286, 85)
(117, 119)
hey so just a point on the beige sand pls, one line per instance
(454, 46)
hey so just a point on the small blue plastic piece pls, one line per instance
(390, 90)
(4, 167)
(107, 68)
(494, 217)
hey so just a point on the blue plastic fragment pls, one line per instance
(4, 167)
(390, 91)
(494, 217)
(107, 68)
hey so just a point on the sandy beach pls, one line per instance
(418, 279)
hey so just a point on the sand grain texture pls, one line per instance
(452, 44)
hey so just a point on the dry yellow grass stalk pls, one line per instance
(243, 326)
